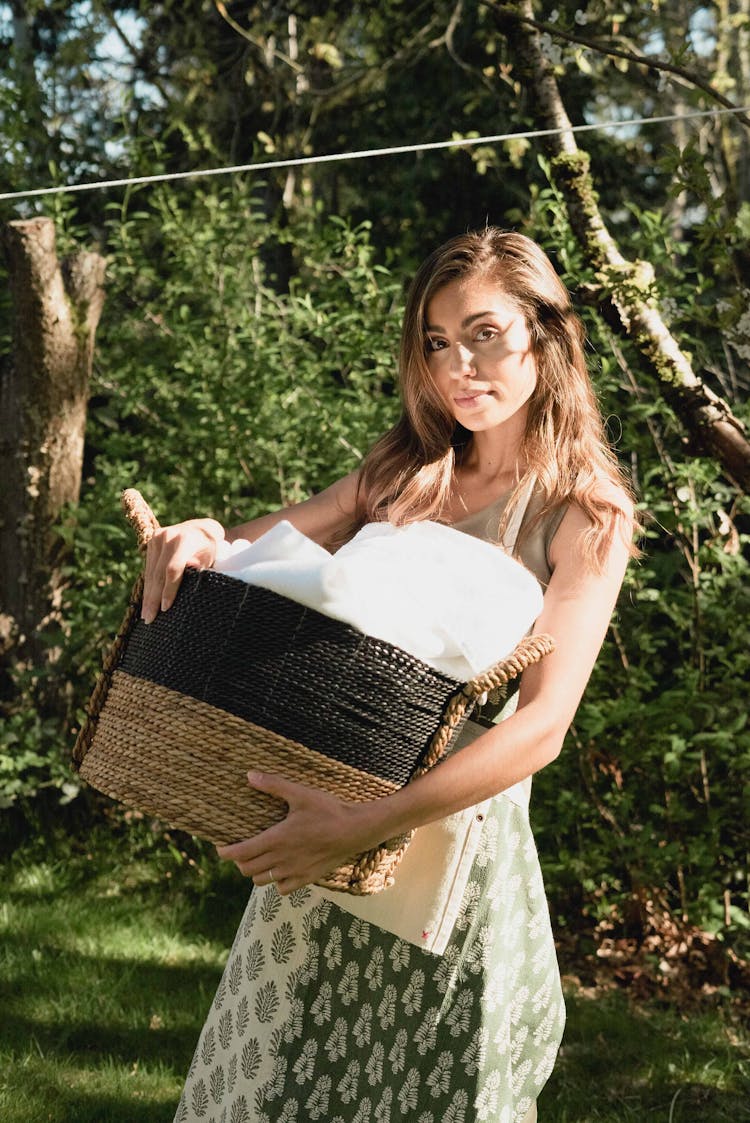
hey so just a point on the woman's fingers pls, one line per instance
(253, 859)
(170, 550)
(302, 847)
(248, 851)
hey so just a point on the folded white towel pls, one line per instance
(450, 599)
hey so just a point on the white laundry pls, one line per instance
(454, 601)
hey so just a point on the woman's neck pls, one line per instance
(490, 458)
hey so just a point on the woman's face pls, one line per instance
(478, 350)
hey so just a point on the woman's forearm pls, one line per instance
(498, 759)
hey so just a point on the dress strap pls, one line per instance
(510, 537)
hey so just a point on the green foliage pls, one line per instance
(246, 352)
(213, 394)
(644, 815)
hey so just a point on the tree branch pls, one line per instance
(105, 11)
(689, 76)
(221, 8)
(629, 285)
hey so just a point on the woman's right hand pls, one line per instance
(170, 550)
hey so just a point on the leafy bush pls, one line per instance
(643, 819)
(214, 393)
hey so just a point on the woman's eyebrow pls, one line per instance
(474, 316)
(465, 323)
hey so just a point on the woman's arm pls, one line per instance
(195, 542)
(321, 831)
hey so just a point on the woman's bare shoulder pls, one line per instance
(612, 494)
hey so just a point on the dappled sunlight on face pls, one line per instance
(478, 351)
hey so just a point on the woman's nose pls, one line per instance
(463, 360)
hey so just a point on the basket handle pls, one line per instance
(144, 523)
(530, 650)
(140, 516)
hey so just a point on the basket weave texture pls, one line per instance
(234, 677)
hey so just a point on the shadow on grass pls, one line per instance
(621, 1062)
(133, 991)
(209, 905)
(57, 1101)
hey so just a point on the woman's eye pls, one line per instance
(431, 344)
(484, 334)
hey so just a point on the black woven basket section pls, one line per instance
(295, 671)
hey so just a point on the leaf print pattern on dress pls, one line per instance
(289, 1112)
(255, 961)
(374, 1066)
(336, 1043)
(486, 1103)
(400, 955)
(460, 1015)
(305, 1064)
(295, 1023)
(250, 1059)
(240, 1112)
(359, 933)
(225, 1029)
(439, 1080)
(475, 1054)
(426, 1035)
(282, 942)
(209, 1046)
(336, 1020)
(374, 969)
(387, 1007)
(266, 1002)
(235, 975)
(321, 1007)
(332, 950)
(383, 1110)
(217, 1084)
(349, 1083)
(232, 1073)
(317, 1104)
(412, 998)
(363, 1026)
(242, 1019)
(270, 904)
(456, 1111)
(397, 1055)
(408, 1095)
(199, 1100)
(364, 1112)
(348, 988)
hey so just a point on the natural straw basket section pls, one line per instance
(234, 677)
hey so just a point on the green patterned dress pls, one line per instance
(322, 1016)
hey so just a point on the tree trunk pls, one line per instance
(625, 285)
(44, 386)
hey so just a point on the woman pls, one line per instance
(324, 1014)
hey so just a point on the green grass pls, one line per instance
(108, 964)
(623, 1061)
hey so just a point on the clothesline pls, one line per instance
(364, 154)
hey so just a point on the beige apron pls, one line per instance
(423, 904)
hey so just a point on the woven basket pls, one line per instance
(234, 677)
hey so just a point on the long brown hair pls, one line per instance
(408, 473)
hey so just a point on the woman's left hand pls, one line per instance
(318, 834)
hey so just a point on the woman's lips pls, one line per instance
(467, 401)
